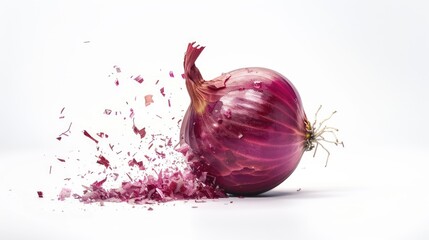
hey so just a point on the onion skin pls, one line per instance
(247, 129)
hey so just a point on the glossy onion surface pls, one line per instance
(246, 129)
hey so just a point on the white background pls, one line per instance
(366, 59)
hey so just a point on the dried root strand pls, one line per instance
(318, 132)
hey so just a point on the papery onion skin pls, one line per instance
(247, 128)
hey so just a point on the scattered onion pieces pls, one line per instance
(102, 135)
(118, 69)
(65, 193)
(148, 99)
(139, 164)
(65, 133)
(139, 79)
(89, 136)
(141, 132)
(103, 161)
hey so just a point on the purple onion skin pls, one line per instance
(249, 133)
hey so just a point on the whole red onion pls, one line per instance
(246, 129)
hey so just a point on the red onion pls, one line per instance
(246, 129)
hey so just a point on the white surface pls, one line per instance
(366, 59)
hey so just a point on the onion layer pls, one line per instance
(247, 129)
